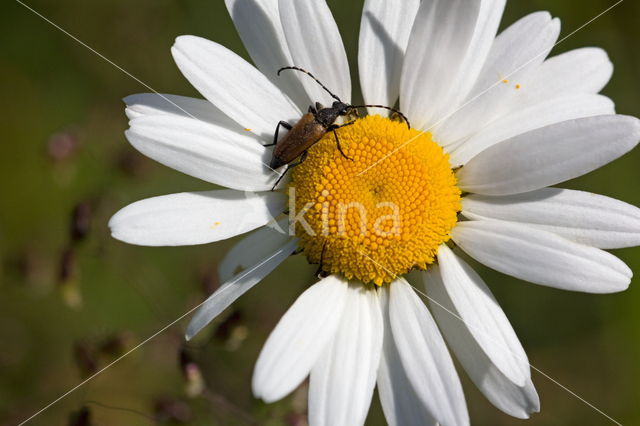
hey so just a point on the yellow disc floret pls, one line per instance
(380, 212)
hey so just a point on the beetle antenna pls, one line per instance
(390, 109)
(313, 77)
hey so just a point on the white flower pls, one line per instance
(516, 122)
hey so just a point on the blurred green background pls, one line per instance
(72, 300)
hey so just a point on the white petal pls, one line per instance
(299, 339)
(254, 247)
(343, 379)
(482, 315)
(519, 49)
(152, 104)
(515, 53)
(517, 401)
(400, 403)
(233, 85)
(541, 257)
(190, 218)
(585, 70)
(315, 45)
(236, 287)
(439, 41)
(583, 217)
(205, 151)
(258, 23)
(384, 34)
(425, 357)
(551, 111)
(477, 54)
(549, 155)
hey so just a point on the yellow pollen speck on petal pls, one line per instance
(505, 81)
(215, 225)
(518, 86)
(375, 223)
(247, 130)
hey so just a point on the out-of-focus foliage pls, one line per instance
(73, 299)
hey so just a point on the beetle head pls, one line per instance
(341, 108)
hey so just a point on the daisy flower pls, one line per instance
(494, 124)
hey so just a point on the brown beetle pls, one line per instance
(311, 128)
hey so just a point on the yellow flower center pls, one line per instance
(381, 212)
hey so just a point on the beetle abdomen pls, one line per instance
(276, 162)
(306, 132)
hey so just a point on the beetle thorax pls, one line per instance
(328, 116)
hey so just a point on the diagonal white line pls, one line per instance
(103, 57)
(142, 343)
(530, 365)
(574, 394)
(117, 66)
(588, 22)
(494, 340)
(485, 91)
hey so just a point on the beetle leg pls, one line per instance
(279, 179)
(320, 272)
(300, 161)
(337, 126)
(289, 167)
(339, 147)
(275, 136)
(333, 128)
